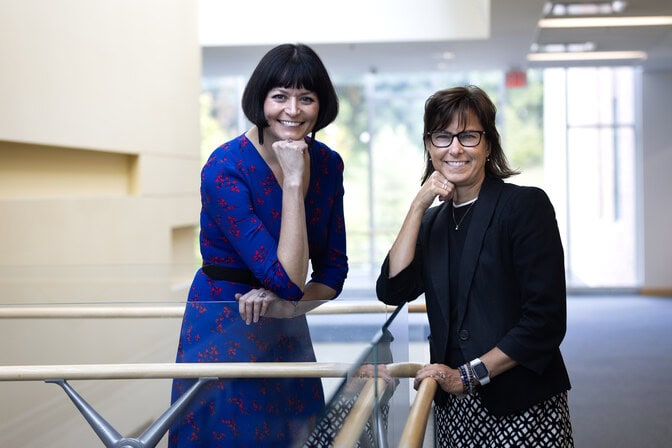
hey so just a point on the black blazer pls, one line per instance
(512, 291)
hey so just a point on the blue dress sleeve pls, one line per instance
(328, 254)
(227, 199)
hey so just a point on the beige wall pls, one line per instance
(99, 147)
(99, 201)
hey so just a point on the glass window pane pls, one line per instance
(601, 230)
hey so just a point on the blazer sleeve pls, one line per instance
(538, 266)
(408, 284)
(403, 287)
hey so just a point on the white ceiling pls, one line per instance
(513, 30)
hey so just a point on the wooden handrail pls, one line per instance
(174, 370)
(416, 423)
(191, 370)
(359, 414)
(361, 411)
(404, 369)
(70, 311)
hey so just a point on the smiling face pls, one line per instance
(291, 113)
(462, 166)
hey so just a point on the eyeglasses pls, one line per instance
(443, 139)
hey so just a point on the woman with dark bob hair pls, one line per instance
(489, 261)
(285, 66)
(271, 206)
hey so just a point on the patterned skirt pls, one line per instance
(465, 422)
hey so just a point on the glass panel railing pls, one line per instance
(371, 405)
(128, 343)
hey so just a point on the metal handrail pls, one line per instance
(204, 372)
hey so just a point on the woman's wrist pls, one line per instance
(295, 311)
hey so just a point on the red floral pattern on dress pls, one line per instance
(240, 226)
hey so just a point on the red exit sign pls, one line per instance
(516, 78)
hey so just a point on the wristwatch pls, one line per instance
(480, 371)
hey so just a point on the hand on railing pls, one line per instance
(447, 379)
(259, 303)
(367, 371)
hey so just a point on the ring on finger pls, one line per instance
(262, 294)
(442, 375)
(445, 185)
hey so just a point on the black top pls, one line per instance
(461, 216)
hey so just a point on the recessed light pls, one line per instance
(445, 56)
(586, 56)
(564, 47)
(584, 9)
(593, 22)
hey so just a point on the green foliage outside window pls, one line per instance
(378, 133)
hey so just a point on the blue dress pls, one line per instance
(240, 227)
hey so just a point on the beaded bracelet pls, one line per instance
(464, 376)
(470, 377)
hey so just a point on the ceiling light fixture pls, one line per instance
(594, 22)
(562, 47)
(445, 56)
(584, 9)
(586, 56)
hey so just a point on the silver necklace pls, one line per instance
(458, 224)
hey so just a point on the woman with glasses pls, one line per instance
(489, 261)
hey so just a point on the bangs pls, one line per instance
(460, 113)
(448, 111)
(295, 75)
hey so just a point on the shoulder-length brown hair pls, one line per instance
(456, 103)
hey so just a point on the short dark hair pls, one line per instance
(447, 104)
(290, 65)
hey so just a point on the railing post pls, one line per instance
(111, 438)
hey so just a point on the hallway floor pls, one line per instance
(618, 350)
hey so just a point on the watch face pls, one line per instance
(480, 370)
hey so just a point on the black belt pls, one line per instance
(231, 274)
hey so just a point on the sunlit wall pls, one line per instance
(99, 157)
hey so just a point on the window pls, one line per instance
(590, 147)
(569, 131)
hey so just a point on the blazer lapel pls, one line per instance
(480, 220)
